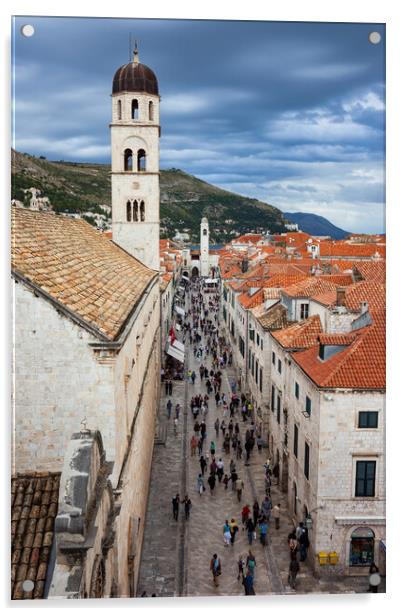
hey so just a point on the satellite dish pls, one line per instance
(309, 241)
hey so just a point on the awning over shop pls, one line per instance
(211, 281)
(179, 345)
(176, 353)
(177, 326)
(179, 310)
(181, 289)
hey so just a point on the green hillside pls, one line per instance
(81, 187)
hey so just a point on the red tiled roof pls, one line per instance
(364, 291)
(300, 335)
(252, 238)
(34, 504)
(341, 280)
(309, 287)
(343, 249)
(250, 301)
(281, 281)
(336, 339)
(361, 365)
(372, 270)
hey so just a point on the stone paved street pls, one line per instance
(176, 555)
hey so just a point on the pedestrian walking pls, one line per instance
(263, 528)
(226, 534)
(166, 388)
(294, 568)
(256, 512)
(248, 583)
(240, 566)
(250, 526)
(175, 504)
(226, 481)
(304, 544)
(239, 488)
(177, 411)
(276, 514)
(200, 484)
(169, 408)
(216, 426)
(251, 563)
(215, 568)
(245, 512)
(170, 388)
(293, 544)
(211, 482)
(212, 448)
(233, 530)
(193, 444)
(187, 506)
(220, 469)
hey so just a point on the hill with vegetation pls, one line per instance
(85, 188)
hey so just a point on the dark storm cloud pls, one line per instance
(279, 111)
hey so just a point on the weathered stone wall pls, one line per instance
(57, 383)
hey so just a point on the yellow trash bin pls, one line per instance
(333, 558)
(323, 558)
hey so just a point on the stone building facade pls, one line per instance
(86, 348)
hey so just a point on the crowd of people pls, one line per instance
(231, 444)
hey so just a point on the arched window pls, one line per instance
(204, 232)
(134, 109)
(128, 160)
(141, 160)
(135, 211)
(119, 110)
(361, 547)
(128, 211)
(150, 110)
(142, 211)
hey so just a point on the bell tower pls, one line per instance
(135, 134)
(204, 248)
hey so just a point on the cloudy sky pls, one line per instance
(290, 113)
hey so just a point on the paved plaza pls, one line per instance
(176, 554)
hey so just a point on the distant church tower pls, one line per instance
(204, 248)
(135, 136)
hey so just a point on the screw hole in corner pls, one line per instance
(28, 30)
(375, 38)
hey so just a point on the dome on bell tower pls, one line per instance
(135, 77)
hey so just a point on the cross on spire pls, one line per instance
(135, 58)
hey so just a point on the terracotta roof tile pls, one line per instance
(364, 291)
(250, 301)
(300, 335)
(345, 249)
(361, 365)
(274, 318)
(32, 530)
(78, 267)
(309, 287)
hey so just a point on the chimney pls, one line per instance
(364, 307)
(340, 296)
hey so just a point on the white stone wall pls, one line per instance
(57, 384)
